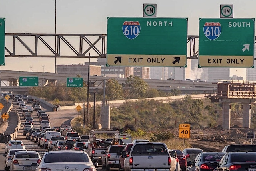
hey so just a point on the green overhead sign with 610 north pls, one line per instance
(226, 42)
(147, 41)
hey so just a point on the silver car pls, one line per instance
(66, 160)
(9, 157)
(25, 160)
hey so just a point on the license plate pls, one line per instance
(252, 169)
(27, 168)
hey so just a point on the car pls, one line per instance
(125, 153)
(58, 160)
(9, 157)
(84, 137)
(39, 112)
(79, 146)
(190, 154)
(73, 135)
(30, 108)
(69, 144)
(180, 157)
(14, 144)
(60, 145)
(239, 148)
(37, 107)
(45, 123)
(208, 161)
(29, 119)
(53, 141)
(25, 160)
(238, 161)
(34, 135)
(111, 159)
(28, 125)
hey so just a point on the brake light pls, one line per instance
(21, 144)
(108, 155)
(10, 144)
(93, 151)
(38, 161)
(66, 147)
(169, 161)
(187, 156)
(234, 167)
(45, 140)
(76, 148)
(131, 161)
(15, 162)
(204, 166)
(127, 155)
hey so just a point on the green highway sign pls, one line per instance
(147, 41)
(28, 81)
(226, 42)
(2, 41)
(74, 82)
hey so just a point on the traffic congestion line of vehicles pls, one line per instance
(66, 150)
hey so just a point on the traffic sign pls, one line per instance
(226, 42)
(2, 41)
(1, 106)
(147, 42)
(149, 10)
(78, 108)
(74, 82)
(226, 11)
(7, 97)
(5, 116)
(184, 131)
(28, 81)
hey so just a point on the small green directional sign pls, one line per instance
(74, 82)
(28, 81)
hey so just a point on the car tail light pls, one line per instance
(187, 156)
(58, 146)
(38, 161)
(50, 142)
(10, 144)
(205, 166)
(169, 160)
(15, 162)
(131, 161)
(21, 144)
(66, 147)
(108, 155)
(234, 167)
(76, 148)
(45, 169)
(127, 155)
(45, 140)
(93, 151)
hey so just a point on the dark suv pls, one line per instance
(239, 148)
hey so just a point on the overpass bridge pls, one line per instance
(97, 82)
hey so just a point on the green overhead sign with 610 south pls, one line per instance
(147, 41)
(226, 42)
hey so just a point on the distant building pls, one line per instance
(78, 69)
(251, 73)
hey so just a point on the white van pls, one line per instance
(48, 135)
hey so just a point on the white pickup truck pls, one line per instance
(148, 156)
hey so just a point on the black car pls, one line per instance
(69, 144)
(190, 154)
(208, 161)
(239, 148)
(238, 161)
(79, 146)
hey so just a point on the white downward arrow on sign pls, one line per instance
(246, 46)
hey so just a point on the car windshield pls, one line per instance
(65, 157)
(27, 155)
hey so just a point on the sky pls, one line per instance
(90, 17)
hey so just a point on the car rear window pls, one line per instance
(80, 144)
(57, 138)
(14, 151)
(16, 142)
(73, 134)
(85, 137)
(65, 157)
(194, 151)
(245, 157)
(153, 149)
(241, 148)
(212, 156)
(43, 121)
(27, 155)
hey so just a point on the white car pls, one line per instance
(37, 107)
(25, 160)
(66, 160)
(9, 157)
(14, 144)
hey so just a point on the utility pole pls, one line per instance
(55, 31)
(94, 111)
(88, 88)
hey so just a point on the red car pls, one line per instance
(180, 157)
(125, 153)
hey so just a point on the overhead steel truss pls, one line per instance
(85, 45)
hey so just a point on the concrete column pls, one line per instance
(246, 115)
(105, 117)
(226, 115)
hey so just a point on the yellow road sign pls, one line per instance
(78, 108)
(7, 97)
(1, 106)
(5, 116)
(184, 131)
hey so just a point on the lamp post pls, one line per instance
(55, 31)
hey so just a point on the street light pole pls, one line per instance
(55, 31)
(88, 88)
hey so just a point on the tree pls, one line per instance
(113, 90)
(135, 87)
